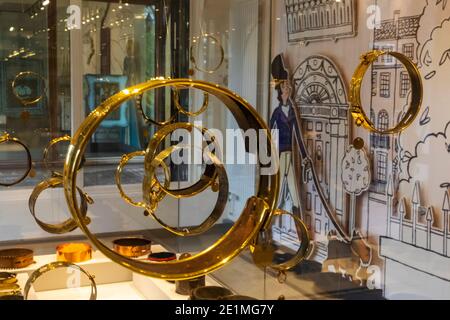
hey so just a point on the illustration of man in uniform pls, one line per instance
(283, 119)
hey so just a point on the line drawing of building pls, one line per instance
(320, 95)
(311, 20)
(390, 88)
(416, 252)
(390, 85)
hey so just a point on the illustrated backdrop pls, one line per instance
(404, 214)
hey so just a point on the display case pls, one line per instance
(289, 149)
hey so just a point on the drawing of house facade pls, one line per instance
(391, 86)
(310, 20)
(404, 215)
(321, 97)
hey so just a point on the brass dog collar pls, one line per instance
(16, 258)
(409, 116)
(29, 164)
(58, 265)
(133, 247)
(8, 278)
(74, 252)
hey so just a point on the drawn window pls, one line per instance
(375, 47)
(308, 201)
(309, 146)
(372, 115)
(318, 227)
(383, 120)
(374, 83)
(405, 84)
(318, 206)
(387, 59)
(308, 221)
(319, 127)
(382, 163)
(327, 163)
(319, 160)
(408, 50)
(385, 85)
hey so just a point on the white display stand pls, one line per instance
(114, 282)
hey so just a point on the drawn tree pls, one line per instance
(355, 178)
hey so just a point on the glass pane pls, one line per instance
(228, 47)
(35, 81)
(118, 52)
(35, 107)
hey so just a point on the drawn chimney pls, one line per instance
(402, 213)
(446, 210)
(430, 219)
(390, 195)
(416, 203)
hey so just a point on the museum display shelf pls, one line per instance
(113, 281)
